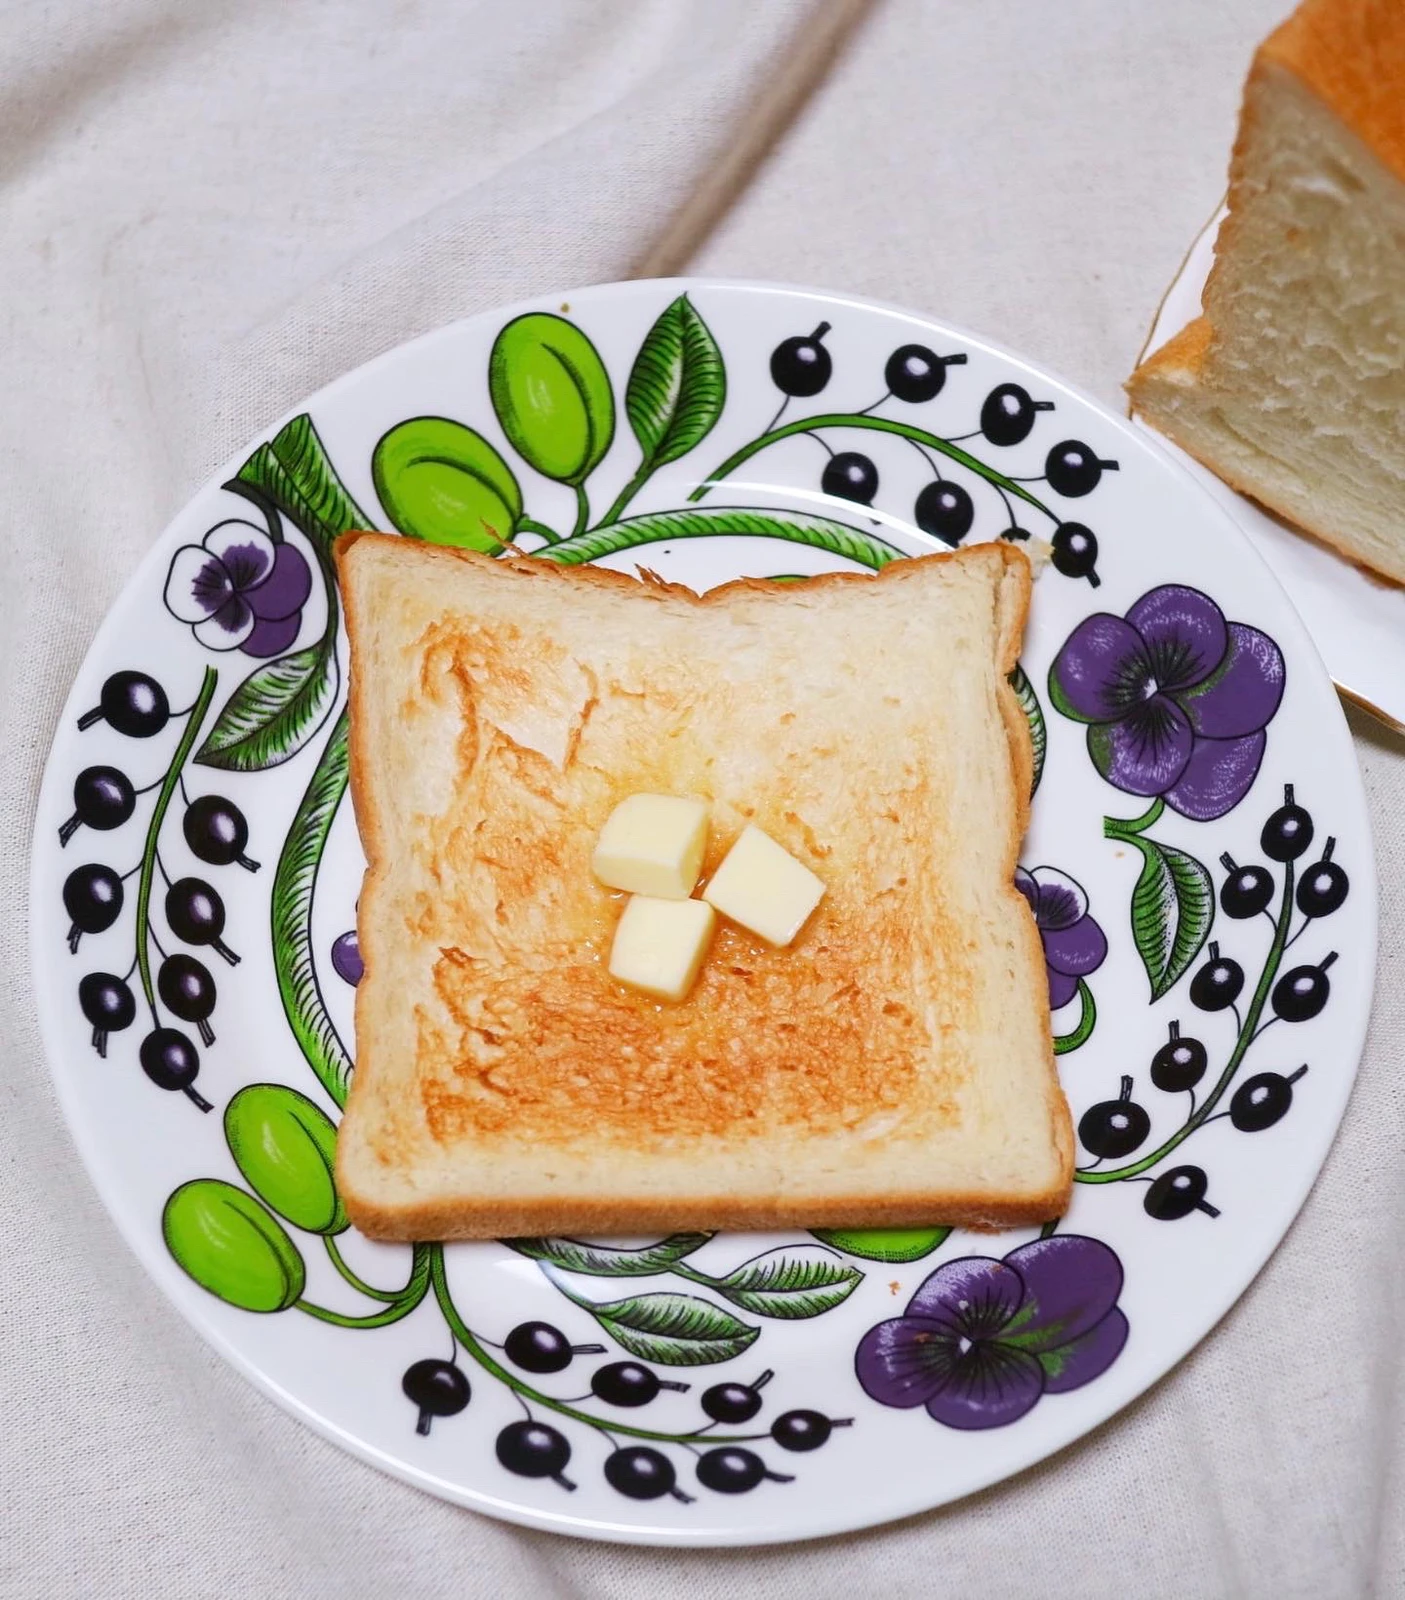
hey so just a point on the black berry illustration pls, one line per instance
(106, 1001)
(915, 373)
(1114, 1128)
(438, 1388)
(944, 509)
(538, 1347)
(729, 1470)
(627, 1383)
(805, 1430)
(1246, 891)
(92, 897)
(1323, 888)
(1262, 1100)
(346, 958)
(1175, 1194)
(1008, 414)
(801, 366)
(534, 1450)
(188, 991)
(850, 476)
(1073, 470)
(103, 798)
(1299, 995)
(1016, 535)
(1075, 551)
(216, 832)
(196, 914)
(643, 1474)
(735, 1402)
(1179, 1064)
(171, 1062)
(132, 703)
(1218, 982)
(1288, 832)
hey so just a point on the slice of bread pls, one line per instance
(1291, 386)
(893, 1066)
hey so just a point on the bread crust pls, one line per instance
(1351, 54)
(411, 1222)
(436, 1215)
(1179, 361)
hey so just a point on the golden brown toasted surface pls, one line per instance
(1351, 53)
(500, 710)
(533, 1035)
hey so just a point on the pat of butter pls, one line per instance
(761, 886)
(652, 844)
(660, 945)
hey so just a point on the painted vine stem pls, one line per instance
(1249, 1030)
(861, 420)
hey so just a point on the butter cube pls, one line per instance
(761, 886)
(660, 945)
(652, 844)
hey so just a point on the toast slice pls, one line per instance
(893, 1066)
(1292, 384)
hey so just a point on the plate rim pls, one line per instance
(1056, 1439)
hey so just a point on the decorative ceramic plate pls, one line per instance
(1198, 865)
(1356, 619)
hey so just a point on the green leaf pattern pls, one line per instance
(1173, 910)
(611, 1261)
(792, 1282)
(1034, 715)
(294, 471)
(677, 386)
(273, 713)
(675, 1330)
(294, 881)
(707, 522)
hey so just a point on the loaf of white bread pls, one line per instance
(892, 1066)
(1291, 385)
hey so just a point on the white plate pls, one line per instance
(1356, 620)
(1024, 1363)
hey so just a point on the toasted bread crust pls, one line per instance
(867, 1064)
(408, 1223)
(1180, 360)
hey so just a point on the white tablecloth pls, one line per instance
(209, 209)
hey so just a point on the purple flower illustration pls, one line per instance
(239, 590)
(1074, 944)
(1176, 699)
(982, 1340)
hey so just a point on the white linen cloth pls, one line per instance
(209, 209)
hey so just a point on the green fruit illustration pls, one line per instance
(884, 1244)
(285, 1146)
(445, 483)
(232, 1246)
(552, 396)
